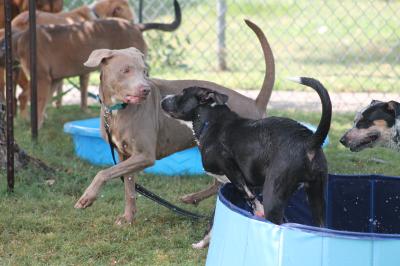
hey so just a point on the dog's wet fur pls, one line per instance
(375, 125)
(273, 155)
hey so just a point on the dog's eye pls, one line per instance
(145, 73)
(364, 123)
(126, 70)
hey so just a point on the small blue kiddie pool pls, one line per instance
(362, 228)
(89, 145)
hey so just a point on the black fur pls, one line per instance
(274, 154)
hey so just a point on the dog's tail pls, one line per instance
(164, 27)
(321, 133)
(269, 78)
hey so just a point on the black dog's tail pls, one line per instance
(164, 27)
(325, 123)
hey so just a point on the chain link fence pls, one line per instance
(353, 47)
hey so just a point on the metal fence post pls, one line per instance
(221, 25)
(32, 62)
(140, 11)
(10, 98)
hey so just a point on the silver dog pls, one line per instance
(141, 131)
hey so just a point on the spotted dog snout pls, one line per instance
(374, 125)
(168, 103)
(344, 141)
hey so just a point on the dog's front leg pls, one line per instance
(133, 164)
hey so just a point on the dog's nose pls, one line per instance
(166, 101)
(144, 90)
(343, 140)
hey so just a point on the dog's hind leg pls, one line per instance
(315, 195)
(195, 198)
(84, 83)
(24, 96)
(43, 94)
(130, 199)
(276, 192)
(207, 236)
(58, 87)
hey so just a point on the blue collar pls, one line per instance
(117, 106)
(203, 127)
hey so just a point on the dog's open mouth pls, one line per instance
(365, 143)
(134, 99)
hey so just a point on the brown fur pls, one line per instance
(54, 64)
(102, 9)
(18, 6)
(142, 131)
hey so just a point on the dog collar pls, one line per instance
(115, 107)
(203, 127)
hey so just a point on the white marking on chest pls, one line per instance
(187, 124)
(221, 178)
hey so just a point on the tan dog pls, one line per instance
(18, 6)
(141, 131)
(55, 64)
(99, 9)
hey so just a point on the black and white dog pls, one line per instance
(378, 124)
(273, 155)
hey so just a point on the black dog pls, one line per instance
(378, 124)
(273, 154)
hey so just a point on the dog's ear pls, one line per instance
(394, 107)
(373, 102)
(97, 57)
(218, 98)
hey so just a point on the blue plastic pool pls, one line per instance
(90, 146)
(363, 228)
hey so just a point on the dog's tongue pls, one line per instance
(132, 99)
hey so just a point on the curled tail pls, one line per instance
(320, 134)
(164, 27)
(269, 78)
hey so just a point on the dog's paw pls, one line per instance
(190, 199)
(124, 219)
(85, 201)
(259, 214)
(200, 245)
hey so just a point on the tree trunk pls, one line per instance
(21, 158)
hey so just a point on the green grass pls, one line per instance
(349, 45)
(38, 224)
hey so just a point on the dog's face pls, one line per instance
(114, 8)
(123, 75)
(183, 106)
(373, 126)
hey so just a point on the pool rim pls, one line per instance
(313, 229)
